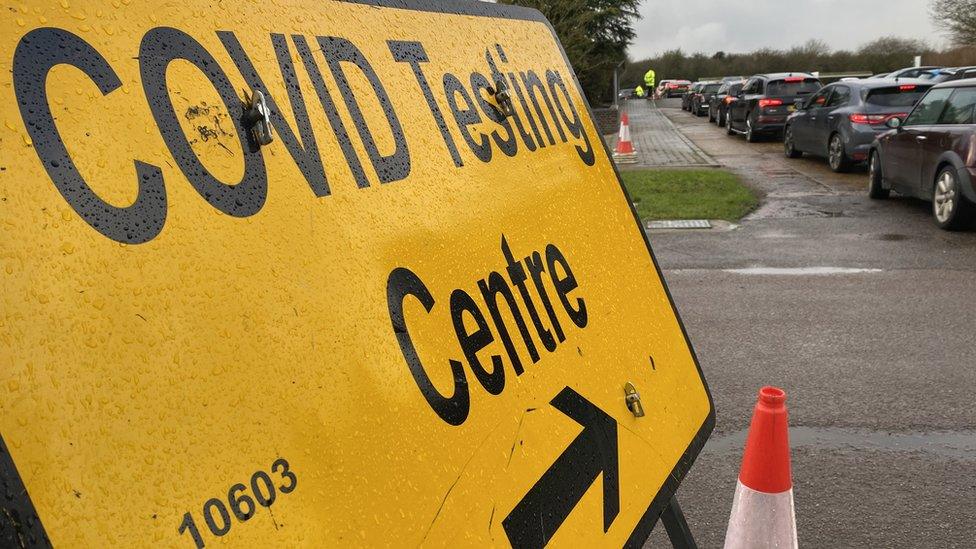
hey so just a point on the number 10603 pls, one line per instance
(239, 501)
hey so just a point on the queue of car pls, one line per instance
(915, 128)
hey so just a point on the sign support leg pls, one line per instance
(677, 527)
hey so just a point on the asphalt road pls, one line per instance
(863, 311)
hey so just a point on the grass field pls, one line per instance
(689, 194)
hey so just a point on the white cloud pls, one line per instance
(746, 25)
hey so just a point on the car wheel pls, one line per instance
(711, 117)
(876, 188)
(750, 133)
(836, 155)
(789, 147)
(720, 119)
(728, 124)
(951, 209)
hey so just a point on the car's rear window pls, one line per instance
(791, 86)
(710, 88)
(896, 96)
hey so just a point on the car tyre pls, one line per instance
(876, 188)
(720, 119)
(950, 208)
(836, 155)
(728, 124)
(789, 146)
(711, 117)
(751, 136)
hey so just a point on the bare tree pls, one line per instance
(957, 18)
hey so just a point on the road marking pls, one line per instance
(800, 271)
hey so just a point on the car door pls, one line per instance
(954, 123)
(715, 100)
(740, 108)
(803, 125)
(902, 151)
(828, 118)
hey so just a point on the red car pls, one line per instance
(673, 88)
(932, 154)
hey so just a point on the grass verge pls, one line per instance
(689, 194)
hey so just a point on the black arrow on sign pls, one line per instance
(542, 511)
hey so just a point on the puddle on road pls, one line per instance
(951, 444)
(893, 237)
(791, 209)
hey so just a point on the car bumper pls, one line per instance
(858, 141)
(769, 123)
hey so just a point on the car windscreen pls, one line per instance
(710, 88)
(735, 88)
(895, 96)
(792, 86)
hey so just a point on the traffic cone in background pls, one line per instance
(624, 153)
(762, 509)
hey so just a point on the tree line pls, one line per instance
(881, 55)
(596, 34)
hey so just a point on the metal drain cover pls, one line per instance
(679, 224)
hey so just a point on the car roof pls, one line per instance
(872, 83)
(954, 70)
(965, 83)
(919, 67)
(780, 75)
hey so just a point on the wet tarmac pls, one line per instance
(863, 311)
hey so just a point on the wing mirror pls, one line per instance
(894, 123)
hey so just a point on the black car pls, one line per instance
(842, 120)
(700, 99)
(686, 97)
(766, 100)
(719, 103)
(932, 154)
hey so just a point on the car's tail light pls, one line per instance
(763, 103)
(792, 79)
(874, 119)
(906, 87)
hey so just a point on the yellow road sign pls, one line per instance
(407, 319)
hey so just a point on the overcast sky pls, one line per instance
(746, 25)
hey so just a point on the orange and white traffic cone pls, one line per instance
(624, 153)
(762, 509)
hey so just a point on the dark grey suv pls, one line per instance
(841, 120)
